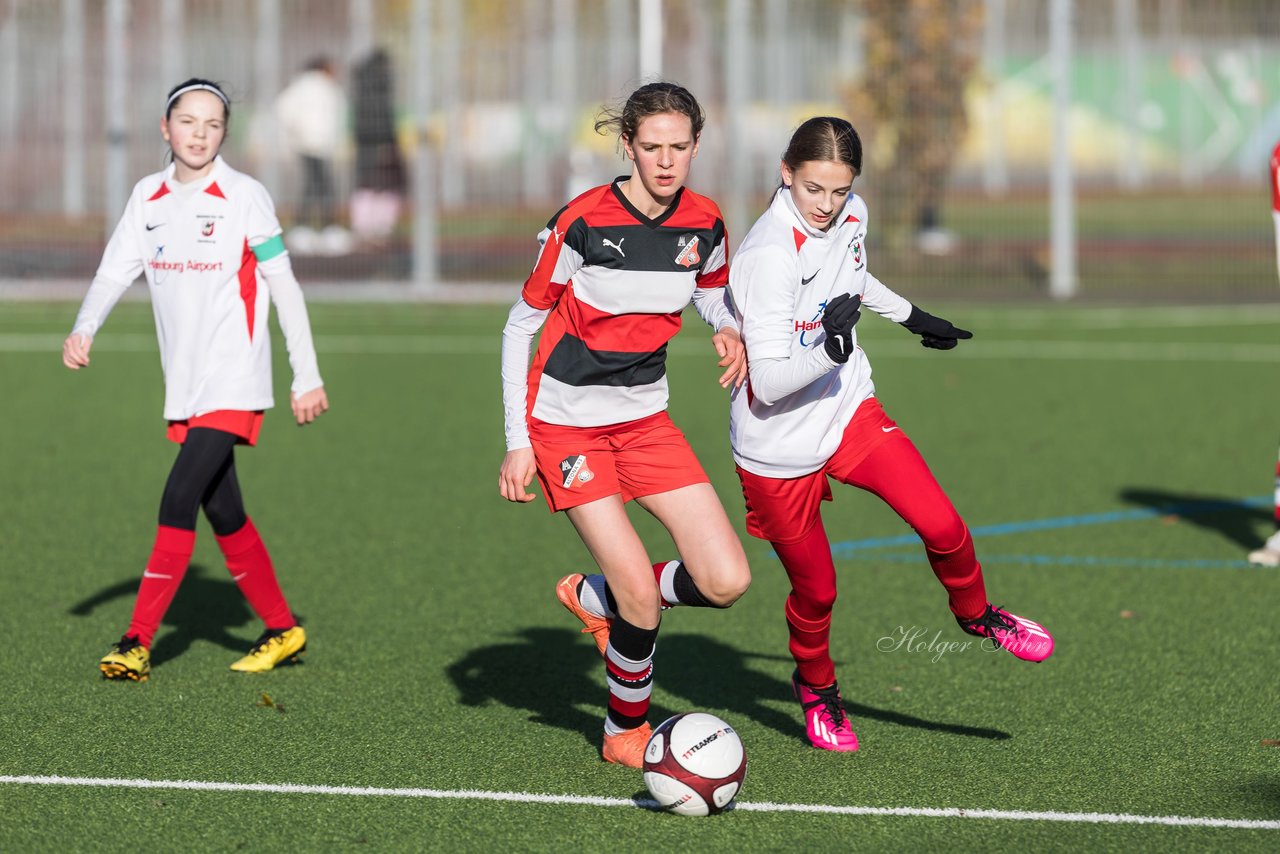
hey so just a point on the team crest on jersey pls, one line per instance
(207, 228)
(575, 471)
(688, 254)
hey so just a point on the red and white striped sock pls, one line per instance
(628, 664)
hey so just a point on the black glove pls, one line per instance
(934, 331)
(837, 321)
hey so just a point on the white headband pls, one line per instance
(205, 86)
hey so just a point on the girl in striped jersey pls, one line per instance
(617, 267)
(808, 412)
(207, 239)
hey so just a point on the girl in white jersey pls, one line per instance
(207, 239)
(617, 267)
(808, 413)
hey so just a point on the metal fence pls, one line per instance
(1174, 108)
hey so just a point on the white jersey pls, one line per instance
(204, 249)
(784, 274)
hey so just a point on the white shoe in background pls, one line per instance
(1269, 554)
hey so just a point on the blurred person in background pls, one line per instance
(809, 412)
(208, 242)
(1269, 554)
(380, 174)
(312, 112)
(616, 268)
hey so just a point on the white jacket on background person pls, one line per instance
(312, 115)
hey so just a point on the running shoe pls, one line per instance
(826, 722)
(1023, 638)
(597, 627)
(273, 647)
(128, 659)
(1269, 554)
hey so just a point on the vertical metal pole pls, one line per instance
(735, 96)
(425, 268)
(453, 189)
(650, 39)
(115, 98)
(995, 164)
(1062, 237)
(266, 73)
(9, 96)
(1129, 162)
(73, 102)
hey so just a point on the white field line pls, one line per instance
(583, 800)
(479, 345)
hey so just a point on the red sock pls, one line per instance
(960, 572)
(250, 567)
(810, 646)
(813, 594)
(165, 568)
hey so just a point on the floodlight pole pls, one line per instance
(117, 103)
(650, 28)
(73, 101)
(424, 183)
(1062, 237)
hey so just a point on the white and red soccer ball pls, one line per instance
(694, 764)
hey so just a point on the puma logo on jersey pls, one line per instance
(557, 235)
(618, 246)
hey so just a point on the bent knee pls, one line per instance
(728, 587)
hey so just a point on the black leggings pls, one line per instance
(204, 474)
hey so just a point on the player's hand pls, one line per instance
(310, 406)
(75, 350)
(934, 331)
(518, 468)
(733, 357)
(838, 320)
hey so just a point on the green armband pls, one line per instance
(270, 248)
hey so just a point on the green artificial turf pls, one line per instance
(440, 660)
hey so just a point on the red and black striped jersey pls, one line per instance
(616, 283)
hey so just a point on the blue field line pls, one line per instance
(1078, 560)
(1189, 508)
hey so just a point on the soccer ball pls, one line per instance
(694, 764)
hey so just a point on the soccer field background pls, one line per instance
(1114, 464)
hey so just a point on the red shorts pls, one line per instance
(238, 422)
(578, 465)
(782, 510)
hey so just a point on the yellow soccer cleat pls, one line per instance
(273, 647)
(129, 660)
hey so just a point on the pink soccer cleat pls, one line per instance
(826, 723)
(1023, 638)
(597, 627)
